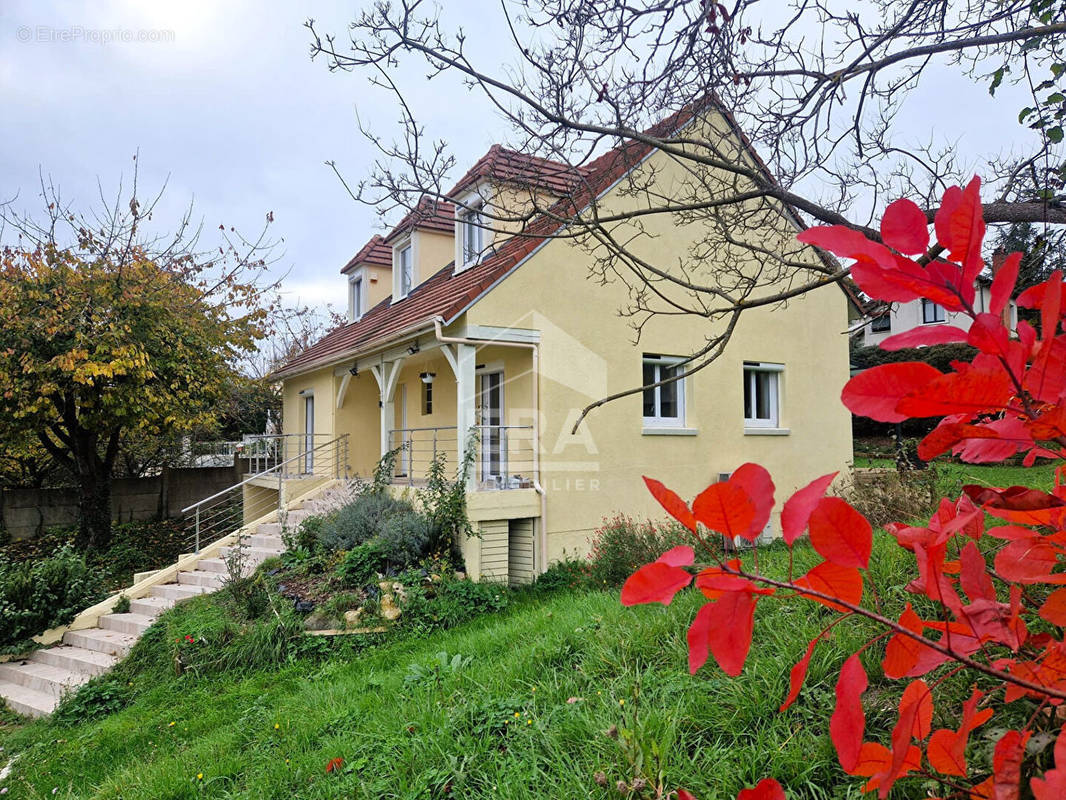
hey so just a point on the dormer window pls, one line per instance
(356, 298)
(405, 270)
(471, 234)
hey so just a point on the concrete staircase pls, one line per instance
(33, 686)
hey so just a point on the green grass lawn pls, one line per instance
(551, 691)
(557, 688)
(952, 476)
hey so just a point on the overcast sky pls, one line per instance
(227, 105)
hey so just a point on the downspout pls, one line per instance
(537, 487)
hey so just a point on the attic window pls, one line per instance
(471, 234)
(405, 270)
(355, 298)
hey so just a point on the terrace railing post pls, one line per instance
(197, 550)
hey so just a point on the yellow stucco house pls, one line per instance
(455, 329)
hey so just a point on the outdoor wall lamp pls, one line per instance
(353, 370)
(414, 348)
(427, 377)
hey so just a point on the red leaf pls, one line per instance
(966, 229)
(766, 789)
(901, 747)
(973, 576)
(1019, 504)
(682, 794)
(942, 222)
(724, 627)
(947, 749)
(1054, 610)
(726, 508)
(970, 392)
(757, 484)
(1003, 284)
(680, 556)
(917, 694)
(848, 722)
(943, 753)
(876, 392)
(654, 583)
(798, 674)
(674, 505)
(875, 760)
(841, 534)
(1029, 561)
(948, 434)
(847, 243)
(989, 335)
(842, 583)
(902, 652)
(334, 765)
(1007, 764)
(1050, 308)
(904, 227)
(918, 337)
(797, 510)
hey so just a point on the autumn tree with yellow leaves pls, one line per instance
(109, 334)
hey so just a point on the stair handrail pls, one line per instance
(335, 443)
(267, 471)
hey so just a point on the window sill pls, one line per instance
(767, 431)
(666, 431)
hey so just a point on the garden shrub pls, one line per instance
(621, 544)
(98, 698)
(360, 564)
(403, 538)
(359, 521)
(451, 602)
(44, 593)
(569, 573)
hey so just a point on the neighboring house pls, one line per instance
(455, 329)
(888, 320)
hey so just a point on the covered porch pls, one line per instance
(440, 402)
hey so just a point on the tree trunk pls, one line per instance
(94, 506)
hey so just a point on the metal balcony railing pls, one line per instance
(504, 458)
(265, 490)
(265, 452)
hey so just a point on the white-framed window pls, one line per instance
(427, 398)
(762, 394)
(932, 312)
(356, 298)
(471, 234)
(663, 405)
(405, 269)
(882, 324)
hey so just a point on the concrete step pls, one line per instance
(265, 542)
(210, 580)
(76, 659)
(28, 702)
(41, 677)
(294, 518)
(217, 565)
(255, 555)
(135, 624)
(269, 529)
(150, 606)
(111, 642)
(172, 591)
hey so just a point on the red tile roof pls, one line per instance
(430, 214)
(447, 294)
(533, 172)
(374, 252)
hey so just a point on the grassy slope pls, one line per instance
(409, 741)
